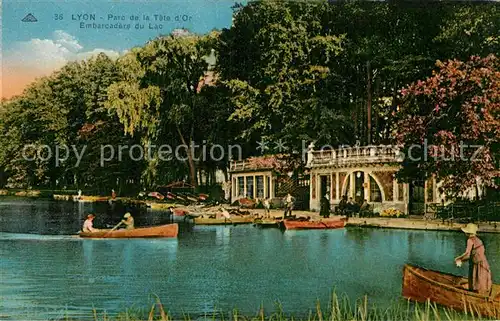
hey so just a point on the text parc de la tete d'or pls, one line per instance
(121, 21)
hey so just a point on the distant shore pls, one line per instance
(396, 223)
(365, 222)
(419, 224)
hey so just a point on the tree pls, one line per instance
(456, 114)
(157, 96)
(470, 29)
(275, 60)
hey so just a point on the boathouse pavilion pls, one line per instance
(253, 178)
(368, 172)
(363, 172)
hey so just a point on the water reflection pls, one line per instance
(207, 266)
(88, 253)
(223, 235)
(50, 217)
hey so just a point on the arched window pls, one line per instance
(375, 193)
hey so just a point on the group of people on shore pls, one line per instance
(346, 207)
(350, 207)
(88, 225)
(288, 201)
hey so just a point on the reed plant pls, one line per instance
(338, 309)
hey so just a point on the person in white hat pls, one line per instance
(128, 221)
(479, 269)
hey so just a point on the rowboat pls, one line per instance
(91, 199)
(420, 285)
(313, 225)
(180, 212)
(65, 197)
(266, 222)
(168, 230)
(224, 221)
(161, 206)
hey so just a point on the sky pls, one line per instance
(73, 30)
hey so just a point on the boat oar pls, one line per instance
(114, 228)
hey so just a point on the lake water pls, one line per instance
(47, 273)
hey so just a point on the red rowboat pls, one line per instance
(156, 195)
(316, 225)
(420, 285)
(180, 212)
(168, 230)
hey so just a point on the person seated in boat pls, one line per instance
(88, 225)
(128, 221)
(479, 269)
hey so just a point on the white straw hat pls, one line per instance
(470, 229)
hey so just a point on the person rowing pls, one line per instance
(128, 221)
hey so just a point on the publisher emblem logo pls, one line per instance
(29, 18)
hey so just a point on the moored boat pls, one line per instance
(168, 230)
(223, 221)
(313, 225)
(64, 197)
(449, 290)
(161, 206)
(267, 222)
(91, 199)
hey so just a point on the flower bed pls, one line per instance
(392, 212)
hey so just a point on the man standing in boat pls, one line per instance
(479, 269)
(128, 221)
(88, 225)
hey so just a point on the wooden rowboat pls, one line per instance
(224, 221)
(162, 206)
(314, 225)
(168, 230)
(420, 285)
(266, 222)
(91, 199)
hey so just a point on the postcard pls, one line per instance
(249, 160)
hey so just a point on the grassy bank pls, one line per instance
(339, 309)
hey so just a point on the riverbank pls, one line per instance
(395, 223)
(412, 223)
(419, 224)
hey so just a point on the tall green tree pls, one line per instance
(157, 96)
(275, 60)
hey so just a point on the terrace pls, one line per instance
(255, 164)
(353, 156)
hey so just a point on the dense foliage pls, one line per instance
(450, 125)
(285, 71)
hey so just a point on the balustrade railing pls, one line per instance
(365, 154)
